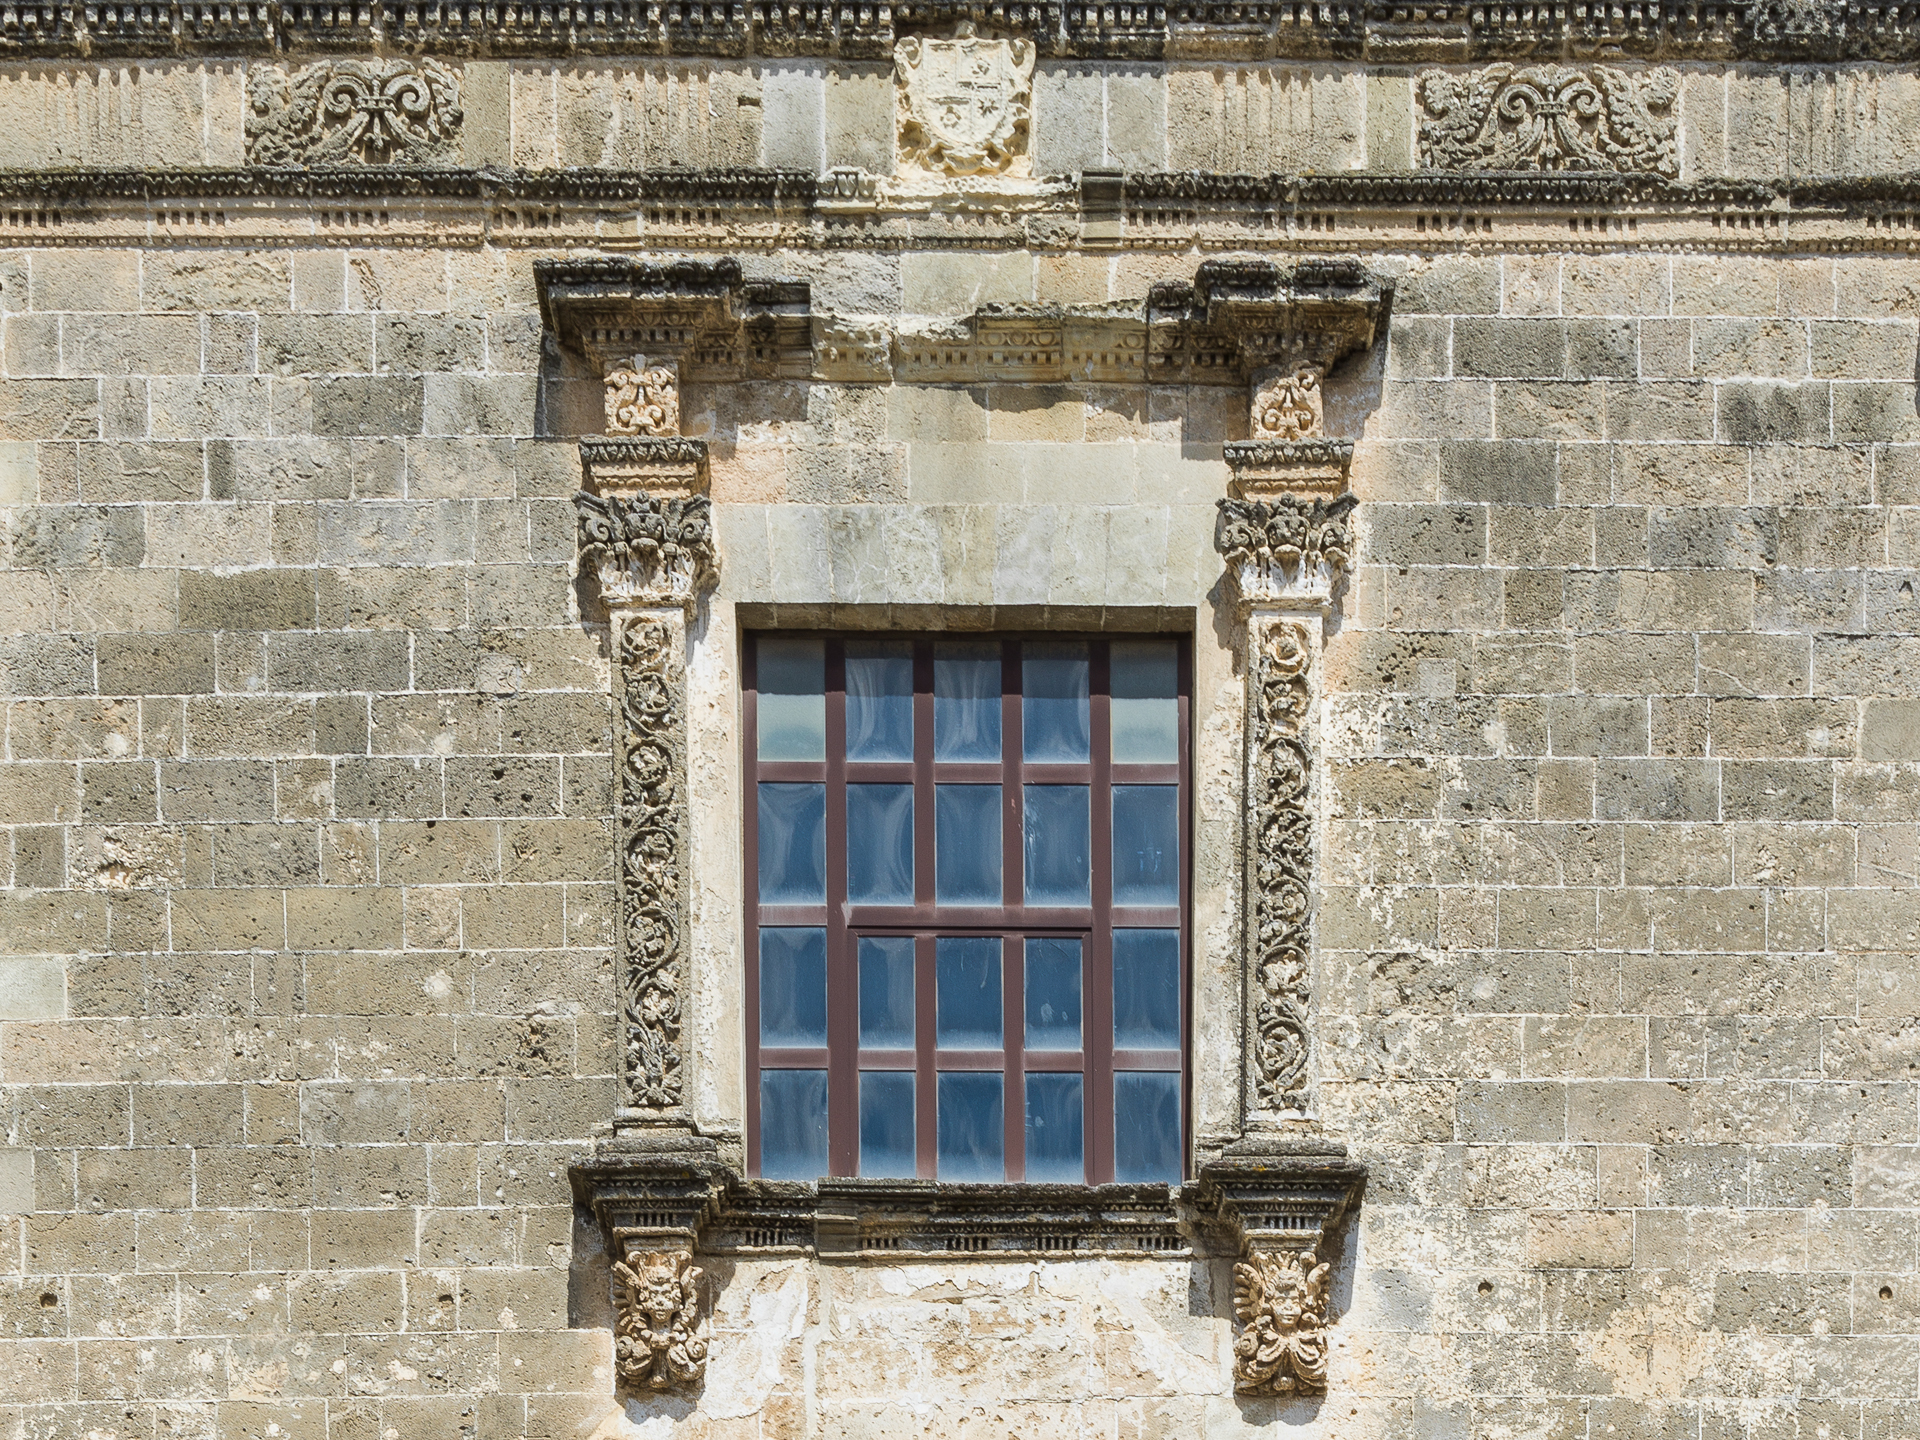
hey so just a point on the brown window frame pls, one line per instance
(842, 1058)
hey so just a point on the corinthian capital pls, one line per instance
(1288, 549)
(648, 549)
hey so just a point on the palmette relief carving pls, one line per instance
(1285, 548)
(653, 848)
(1287, 405)
(1280, 864)
(648, 549)
(1550, 117)
(339, 112)
(1280, 1300)
(660, 1340)
(963, 106)
(643, 401)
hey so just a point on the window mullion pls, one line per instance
(750, 875)
(1013, 893)
(926, 1084)
(843, 973)
(1096, 975)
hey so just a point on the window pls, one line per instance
(966, 907)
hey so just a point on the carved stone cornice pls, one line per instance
(701, 315)
(1211, 30)
(1240, 317)
(1265, 469)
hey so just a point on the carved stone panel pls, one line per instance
(963, 105)
(1280, 1301)
(340, 112)
(1550, 117)
(643, 399)
(660, 1337)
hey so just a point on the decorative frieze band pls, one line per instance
(1210, 30)
(375, 112)
(1550, 117)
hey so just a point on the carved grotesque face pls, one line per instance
(1289, 1306)
(657, 1292)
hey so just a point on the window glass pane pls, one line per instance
(1146, 989)
(793, 844)
(1146, 1127)
(1056, 1149)
(886, 1123)
(966, 701)
(791, 717)
(973, 1135)
(886, 992)
(793, 1124)
(793, 987)
(966, 844)
(1054, 819)
(880, 844)
(967, 992)
(1053, 994)
(879, 700)
(1146, 847)
(1053, 703)
(1145, 676)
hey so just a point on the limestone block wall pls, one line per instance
(305, 899)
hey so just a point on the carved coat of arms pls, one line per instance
(964, 104)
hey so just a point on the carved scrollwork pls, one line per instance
(1550, 117)
(1280, 1300)
(660, 1339)
(647, 549)
(1280, 864)
(1287, 405)
(335, 112)
(1286, 547)
(643, 401)
(653, 847)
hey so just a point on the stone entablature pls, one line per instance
(1781, 30)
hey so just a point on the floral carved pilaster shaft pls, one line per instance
(1279, 862)
(660, 1341)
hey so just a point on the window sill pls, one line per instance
(675, 1193)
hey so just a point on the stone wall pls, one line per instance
(307, 793)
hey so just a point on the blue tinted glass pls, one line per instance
(880, 844)
(1146, 1127)
(1146, 845)
(1146, 989)
(973, 1133)
(966, 844)
(1053, 703)
(1053, 994)
(1146, 712)
(1056, 1150)
(967, 992)
(886, 1123)
(966, 701)
(879, 700)
(793, 844)
(791, 714)
(1054, 825)
(886, 992)
(793, 987)
(793, 1124)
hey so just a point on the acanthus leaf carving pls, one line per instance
(660, 1340)
(653, 848)
(1280, 1300)
(335, 112)
(648, 549)
(1287, 547)
(643, 400)
(964, 104)
(1550, 117)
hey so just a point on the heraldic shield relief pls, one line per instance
(964, 103)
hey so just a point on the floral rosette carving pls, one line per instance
(648, 549)
(1281, 863)
(1550, 117)
(1287, 546)
(653, 824)
(336, 112)
(660, 1340)
(1280, 1301)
